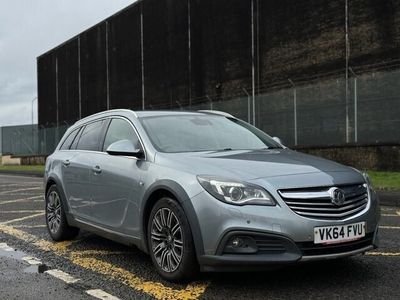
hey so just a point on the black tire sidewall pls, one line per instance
(188, 267)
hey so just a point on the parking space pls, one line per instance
(127, 273)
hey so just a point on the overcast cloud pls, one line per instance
(29, 28)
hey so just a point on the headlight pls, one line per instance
(235, 192)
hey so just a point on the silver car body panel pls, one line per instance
(113, 202)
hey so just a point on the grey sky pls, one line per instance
(29, 28)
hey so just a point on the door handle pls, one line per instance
(66, 162)
(96, 169)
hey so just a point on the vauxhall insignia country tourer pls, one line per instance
(205, 191)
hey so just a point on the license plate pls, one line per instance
(339, 233)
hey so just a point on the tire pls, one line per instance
(170, 242)
(56, 220)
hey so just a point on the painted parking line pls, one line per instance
(20, 190)
(383, 253)
(62, 276)
(5, 247)
(32, 260)
(100, 294)
(130, 279)
(23, 218)
(391, 214)
(6, 185)
(389, 227)
(22, 200)
(29, 226)
(20, 211)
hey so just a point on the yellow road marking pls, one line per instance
(389, 227)
(383, 253)
(398, 213)
(22, 219)
(99, 252)
(21, 200)
(152, 288)
(20, 190)
(155, 289)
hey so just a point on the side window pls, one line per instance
(68, 141)
(76, 140)
(120, 130)
(90, 137)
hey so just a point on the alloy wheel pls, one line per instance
(53, 212)
(167, 240)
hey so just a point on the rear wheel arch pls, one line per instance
(54, 181)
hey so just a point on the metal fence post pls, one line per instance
(253, 91)
(211, 103)
(294, 110)
(347, 69)
(355, 106)
(248, 105)
(355, 111)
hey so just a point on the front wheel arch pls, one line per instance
(169, 188)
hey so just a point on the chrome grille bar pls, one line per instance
(317, 203)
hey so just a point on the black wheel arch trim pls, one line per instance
(60, 188)
(184, 200)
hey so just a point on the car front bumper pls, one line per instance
(219, 221)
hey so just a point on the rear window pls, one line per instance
(68, 141)
(90, 137)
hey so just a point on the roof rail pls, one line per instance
(106, 112)
(216, 112)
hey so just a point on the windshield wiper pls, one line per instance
(225, 149)
(269, 148)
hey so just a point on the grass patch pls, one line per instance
(38, 168)
(385, 180)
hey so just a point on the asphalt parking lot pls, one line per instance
(89, 267)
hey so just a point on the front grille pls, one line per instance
(316, 203)
(310, 249)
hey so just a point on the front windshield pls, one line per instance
(190, 133)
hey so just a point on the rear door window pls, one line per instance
(68, 141)
(90, 137)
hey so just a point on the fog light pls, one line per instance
(237, 242)
(241, 244)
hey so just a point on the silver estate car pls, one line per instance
(205, 191)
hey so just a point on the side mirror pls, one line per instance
(278, 140)
(124, 148)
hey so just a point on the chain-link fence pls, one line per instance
(322, 113)
(318, 113)
(30, 140)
